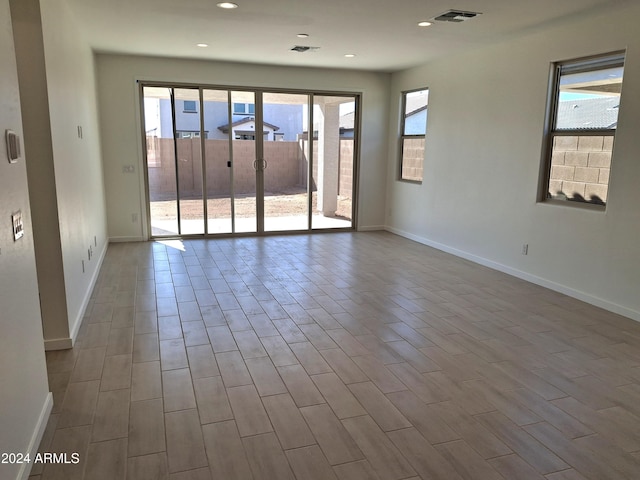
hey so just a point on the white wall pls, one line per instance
(57, 80)
(121, 137)
(483, 153)
(24, 394)
(34, 103)
(71, 85)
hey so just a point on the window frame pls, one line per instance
(557, 69)
(403, 136)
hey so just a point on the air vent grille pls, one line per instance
(456, 16)
(304, 48)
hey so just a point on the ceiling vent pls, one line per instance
(456, 16)
(304, 48)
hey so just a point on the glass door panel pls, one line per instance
(224, 162)
(243, 145)
(218, 161)
(333, 161)
(161, 161)
(189, 164)
(286, 198)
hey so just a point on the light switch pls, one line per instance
(18, 229)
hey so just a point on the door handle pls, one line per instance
(260, 164)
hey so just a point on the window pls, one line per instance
(582, 121)
(245, 136)
(190, 106)
(244, 109)
(414, 129)
(189, 134)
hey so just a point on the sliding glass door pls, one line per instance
(162, 185)
(286, 169)
(334, 122)
(222, 161)
(217, 148)
(188, 154)
(243, 139)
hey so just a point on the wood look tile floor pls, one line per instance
(343, 356)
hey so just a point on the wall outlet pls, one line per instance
(18, 227)
(128, 169)
(525, 249)
(134, 218)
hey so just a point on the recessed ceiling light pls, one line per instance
(203, 45)
(303, 35)
(227, 5)
(349, 55)
(424, 24)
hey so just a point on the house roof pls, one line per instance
(417, 110)
(225, 128)
(347, 121)
(416, 102)
(588, 113)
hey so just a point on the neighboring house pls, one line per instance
(347, 122)
(346, 126)
(245, 129)
(285, 122)
(282, 122)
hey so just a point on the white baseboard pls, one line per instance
(126, 239)
(36, 437)
(371, 228)
(66, 343)
(87, 295)
(543, 282)
(58, 344)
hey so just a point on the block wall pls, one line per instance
(580, 167)
(412, 158)
(286, 167)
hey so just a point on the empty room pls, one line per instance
(425, 266)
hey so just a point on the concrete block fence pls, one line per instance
(286, 170)
(580, 167)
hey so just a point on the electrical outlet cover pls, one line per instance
(18, 228)
(13, 146)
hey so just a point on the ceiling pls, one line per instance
(383, 35)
